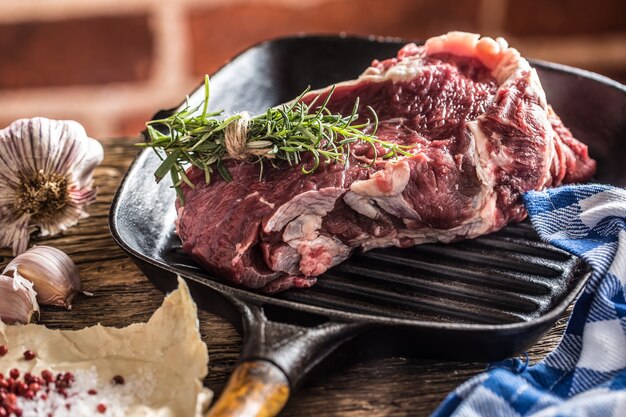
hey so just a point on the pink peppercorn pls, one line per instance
(21, 387)
(47, 375)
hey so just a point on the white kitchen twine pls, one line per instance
(236, 135)
(236, 139)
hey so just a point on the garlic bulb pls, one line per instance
(53, 274)
(17, 301)
(46, 169)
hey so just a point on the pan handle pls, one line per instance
(275, 357)
(256, 388)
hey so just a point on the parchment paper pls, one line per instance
(167, 350)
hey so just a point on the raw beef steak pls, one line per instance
(482, 134)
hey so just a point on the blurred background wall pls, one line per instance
(110, 64)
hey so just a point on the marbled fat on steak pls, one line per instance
(483, 134)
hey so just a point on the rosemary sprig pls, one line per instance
(283, 133)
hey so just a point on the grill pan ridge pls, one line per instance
(477, 300)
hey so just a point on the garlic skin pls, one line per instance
(46, 178)
(17, 301)
(53, 275)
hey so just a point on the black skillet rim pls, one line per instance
(260, 299)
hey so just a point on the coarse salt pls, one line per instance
(78, 398)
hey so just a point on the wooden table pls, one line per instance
(122, 295)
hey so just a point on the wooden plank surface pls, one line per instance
(122, 295)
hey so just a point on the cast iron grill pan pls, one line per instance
(477, 300)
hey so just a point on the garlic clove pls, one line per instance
(18, 302)
(52, 272)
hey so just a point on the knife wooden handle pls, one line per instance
(255, 389)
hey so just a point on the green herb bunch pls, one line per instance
(284, 133)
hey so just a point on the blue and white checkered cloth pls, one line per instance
(586, 374)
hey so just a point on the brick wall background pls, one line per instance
(110, 64)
